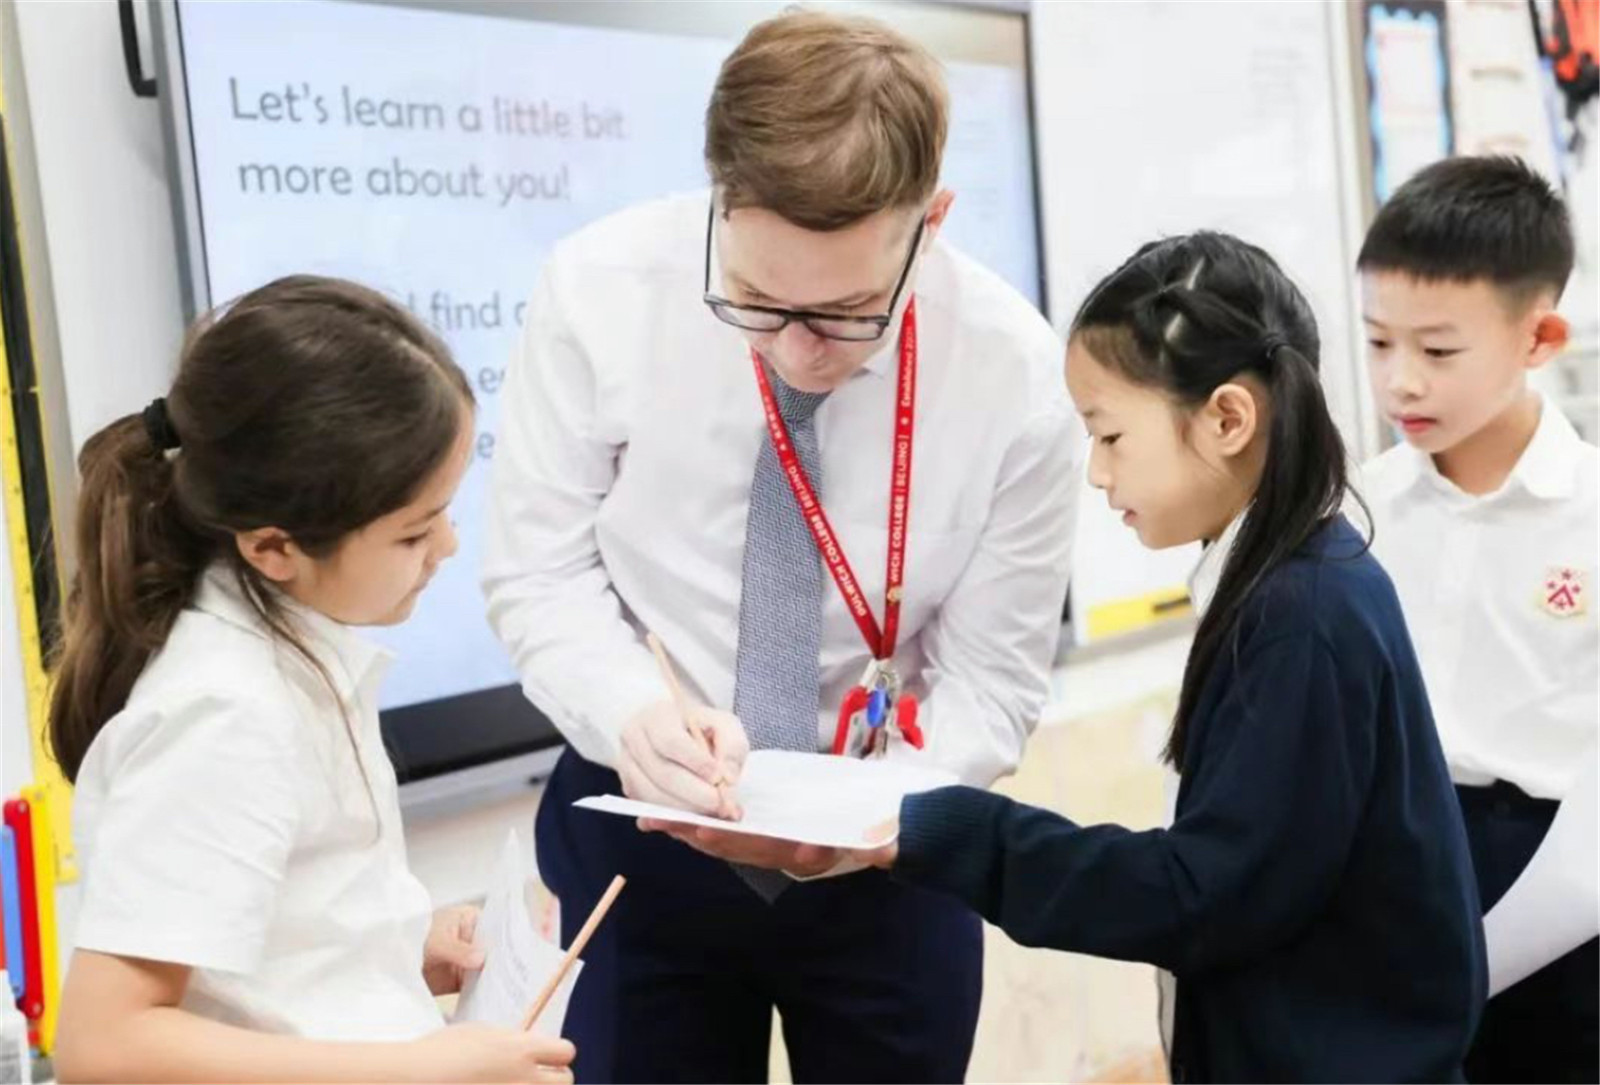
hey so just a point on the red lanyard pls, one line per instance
(880, 644)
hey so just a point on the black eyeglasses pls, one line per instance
(768, 319)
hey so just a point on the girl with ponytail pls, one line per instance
(1313, 897)
(247, 912)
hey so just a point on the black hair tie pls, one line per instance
(158, 426)
(1271, 343)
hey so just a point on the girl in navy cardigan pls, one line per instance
(1314, 897)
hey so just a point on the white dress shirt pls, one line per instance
(1510, 652)
(630, 428)
(1207, 575)
(224, 825)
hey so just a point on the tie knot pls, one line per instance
(793, 404)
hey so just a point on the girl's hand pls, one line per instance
(448, 956)
(885, 854)
(486, 1053)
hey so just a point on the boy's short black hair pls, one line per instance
(1475, 217)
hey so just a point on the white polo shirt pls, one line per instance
(1499, 596)
(223, 824)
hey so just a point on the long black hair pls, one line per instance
(1184, 316)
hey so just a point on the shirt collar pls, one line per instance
(1411, 466)
(1208, 571)
(1547, 468)
(349, 659)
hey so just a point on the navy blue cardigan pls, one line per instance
(1314, 896)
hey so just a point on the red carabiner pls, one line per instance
(854, 701)
(905, 715)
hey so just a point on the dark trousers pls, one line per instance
(874, 981)
(1546, 1028)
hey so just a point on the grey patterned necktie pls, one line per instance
(780, 605)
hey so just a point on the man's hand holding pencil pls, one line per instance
(693, 755)
(681, 754)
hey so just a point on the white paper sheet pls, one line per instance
(1554, 905)
(833, 802)
(517, 961)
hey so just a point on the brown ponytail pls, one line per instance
(137, 567)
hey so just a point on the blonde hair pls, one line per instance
(826, 119)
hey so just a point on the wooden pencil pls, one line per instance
(670, 676)
(573, 952)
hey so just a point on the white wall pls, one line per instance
(113, 258)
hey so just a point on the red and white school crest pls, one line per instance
(1565, 591)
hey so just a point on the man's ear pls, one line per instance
(938, 211)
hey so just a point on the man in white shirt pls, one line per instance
(693, 373)
(1486, 518)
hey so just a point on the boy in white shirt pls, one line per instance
(1485, 517)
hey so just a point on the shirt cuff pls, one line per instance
(594, 727)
